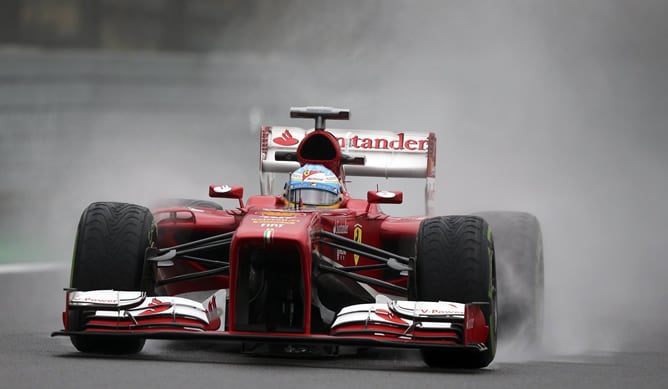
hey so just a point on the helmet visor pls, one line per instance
(312, 197)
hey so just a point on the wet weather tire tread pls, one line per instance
(453, 264)
(109, 254)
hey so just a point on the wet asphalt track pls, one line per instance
(30, 358)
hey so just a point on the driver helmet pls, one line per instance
(313, 186)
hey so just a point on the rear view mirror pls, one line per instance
(384, 197)
(227, 192)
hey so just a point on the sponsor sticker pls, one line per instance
(274, 219)
(401, 142)
(396, 142)
(341, 227)
(285, 139)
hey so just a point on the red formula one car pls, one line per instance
(303, 272)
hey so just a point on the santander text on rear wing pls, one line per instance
(371, 153)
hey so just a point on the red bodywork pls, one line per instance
(267, 223)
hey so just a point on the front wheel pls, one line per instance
(455, 262)
(109, 253)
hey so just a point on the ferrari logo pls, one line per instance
(357, 237)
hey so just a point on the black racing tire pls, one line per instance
(520, 270)
(109, 253)
(455, 262)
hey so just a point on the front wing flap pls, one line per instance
(122, 312)
(398, 324)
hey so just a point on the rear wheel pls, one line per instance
(455, 262)
(109, 254)
(519, 253)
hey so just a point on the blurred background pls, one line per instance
(555, 108)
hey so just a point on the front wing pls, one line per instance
(395, 324)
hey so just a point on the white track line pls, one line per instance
(31, 267)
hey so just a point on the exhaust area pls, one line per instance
(553, 108)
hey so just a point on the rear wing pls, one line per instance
(368, 153)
